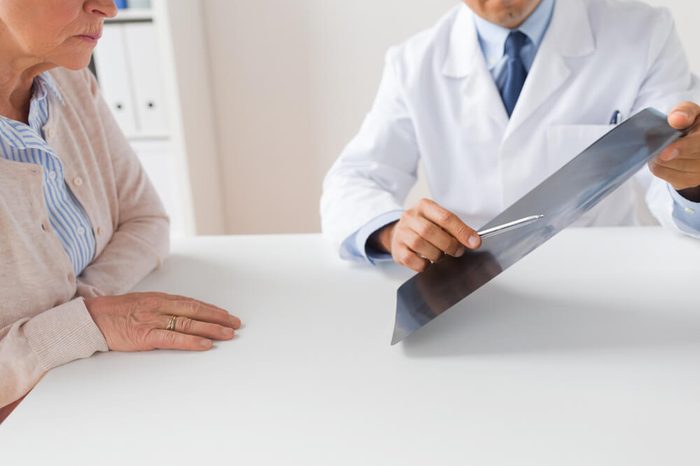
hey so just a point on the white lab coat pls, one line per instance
(438, 104)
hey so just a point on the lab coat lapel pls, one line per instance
(466, 61)
(569, 35)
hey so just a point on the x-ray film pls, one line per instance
(563, 198)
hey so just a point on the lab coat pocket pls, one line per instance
(564, 142)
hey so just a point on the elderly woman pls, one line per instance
(80, 222)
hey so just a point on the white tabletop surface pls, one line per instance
(585, 353)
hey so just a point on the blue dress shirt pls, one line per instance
(24, 143)
(492, 39)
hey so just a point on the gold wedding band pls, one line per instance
(171, 323)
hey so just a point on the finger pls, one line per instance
(686, 148)
(421, 246)
(679, 180)
(202, 312)
(689, 166)
(683, 116)
(450, 223)
(435, 235)
(176, 298)
(202, 329)
(163, 339)
(410, 259)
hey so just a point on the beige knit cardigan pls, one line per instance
(43, 319)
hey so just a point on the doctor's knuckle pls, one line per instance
(462, 231)
(425, 204)
(420, 265)
(426, 230)
(444, 217)
(404, 256)
(414, 242)
(431, 255)
(453, 248)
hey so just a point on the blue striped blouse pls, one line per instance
(24, 143)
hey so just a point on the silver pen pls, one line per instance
(510, 226)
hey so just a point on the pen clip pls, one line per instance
(616, 118)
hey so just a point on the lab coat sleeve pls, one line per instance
(669, 81)
(377, 169)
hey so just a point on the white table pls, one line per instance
(586, 353)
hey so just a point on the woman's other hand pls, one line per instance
(148, 321)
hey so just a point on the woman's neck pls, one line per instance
(16, 80)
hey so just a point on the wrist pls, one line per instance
(93, 306)
(381, 239)
(90, 305)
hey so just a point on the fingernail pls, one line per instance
(474, 242)
(682, 113)
(205, 343)
(460, 252)
(228, 332)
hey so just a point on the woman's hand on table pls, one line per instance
(149, 321)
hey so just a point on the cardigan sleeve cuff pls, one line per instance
(64, 334)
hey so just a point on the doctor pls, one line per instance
(494, 99)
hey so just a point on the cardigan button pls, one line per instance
(78, 181)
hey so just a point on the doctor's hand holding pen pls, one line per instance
(679, 164)
(425, 234)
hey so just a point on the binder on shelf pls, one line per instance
(129, 70)
(113, 72)
(145, 65)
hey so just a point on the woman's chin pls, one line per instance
(74, 63)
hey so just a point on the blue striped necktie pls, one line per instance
(515, 70)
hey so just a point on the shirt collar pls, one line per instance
(15, 132)
(44, 85)
(492, 37)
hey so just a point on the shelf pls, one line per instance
(132, 15)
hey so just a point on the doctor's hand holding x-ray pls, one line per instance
(428, 232)
(679, 164)
(494, 99)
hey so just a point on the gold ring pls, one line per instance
(171, 323)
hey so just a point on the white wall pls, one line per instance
(292, 80)
(687, 14)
